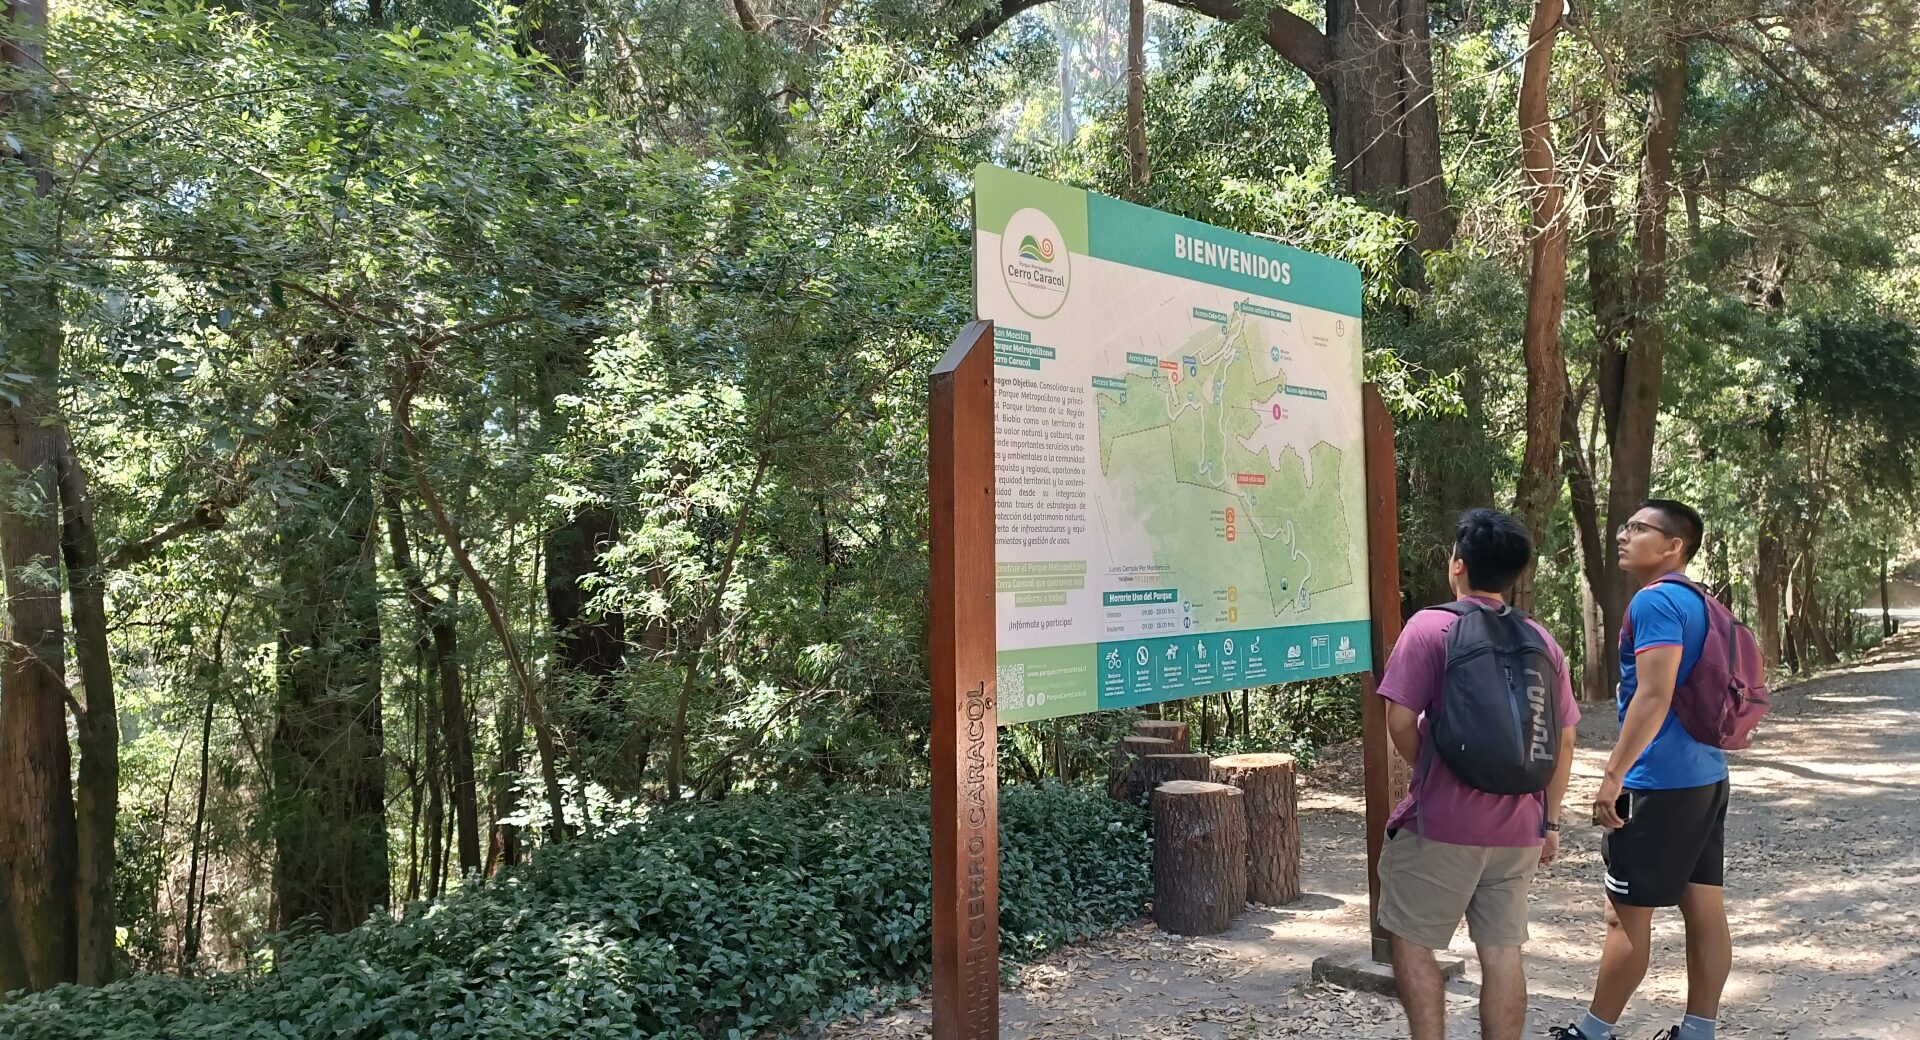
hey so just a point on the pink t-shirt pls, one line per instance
(1438, 806)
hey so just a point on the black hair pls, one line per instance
(1684, 521)
(1495, 547)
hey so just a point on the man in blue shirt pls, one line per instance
(1663, 798)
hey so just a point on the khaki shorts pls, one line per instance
(1427, 886)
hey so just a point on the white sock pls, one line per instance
(1594, 1028)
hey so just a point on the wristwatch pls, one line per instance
(1551, 825)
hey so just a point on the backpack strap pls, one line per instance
(1425, 766)
(1461, 608)
(1708, 601)
(1671, 578)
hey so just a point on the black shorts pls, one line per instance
(1672, 839)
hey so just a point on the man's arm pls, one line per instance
(1562, 774)
(1659, 668)
(1403, 725)
(1556, 792)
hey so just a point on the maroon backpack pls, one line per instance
(1724, 698)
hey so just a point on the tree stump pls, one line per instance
(1199, 856)
(1273, 826)
(1127, 781)
(1165, 729)
(1161, 769)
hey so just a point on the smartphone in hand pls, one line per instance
(1624, 807)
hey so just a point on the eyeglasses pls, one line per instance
(1632, 527)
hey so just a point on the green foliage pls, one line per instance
(653, 266)
(715, 921)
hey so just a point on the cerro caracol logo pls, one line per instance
(1034, 263)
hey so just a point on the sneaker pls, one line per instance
(1566, 1033)
(1671, 1033)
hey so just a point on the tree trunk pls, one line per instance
(1606, 283)
(97, 798)
(456, 733)
(1546, 367)
(190, 943)
(38, 842)
(436, 814)
(408, 385)
(416, 774)
(1810, 605)
(1137, 172)
(1199, 857)
(1369, 145)
(1719, 572)
(1426, 179)
(1598, 664)
(196, 876)
(590, 646)
(1766, 588)
(1373, 68)
(1632, 443)
(1640, 382)
(433, 771)
(328, 789)
(505, 848)
(13, 965)
(445, 828)
(1273, 826)
(1064, 34)
(1886, 599)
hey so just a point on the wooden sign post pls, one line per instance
(1385, 775)
(1106, 579)
(966, 783)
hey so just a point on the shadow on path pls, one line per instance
(1823, 895)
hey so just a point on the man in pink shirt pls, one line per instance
(1456, 848)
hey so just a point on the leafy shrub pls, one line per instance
(713, 921)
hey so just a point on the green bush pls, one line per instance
(715, 921)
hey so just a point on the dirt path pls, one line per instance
(1824, 895)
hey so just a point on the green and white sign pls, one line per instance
(1177, 449)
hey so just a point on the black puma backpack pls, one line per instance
(1498, 723)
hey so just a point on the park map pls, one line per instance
(1178, 453)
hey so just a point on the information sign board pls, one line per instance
(1178, 453)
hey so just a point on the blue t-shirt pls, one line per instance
(1666, 614)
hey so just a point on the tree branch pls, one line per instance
(748, 20)
(406, 385)
(1292, 37)
(210, 515)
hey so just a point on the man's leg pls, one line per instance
(1423, 993)
(1424, 889)
(1709, 944)
(1503, 993)
(1709, 948)
(1623, 960)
